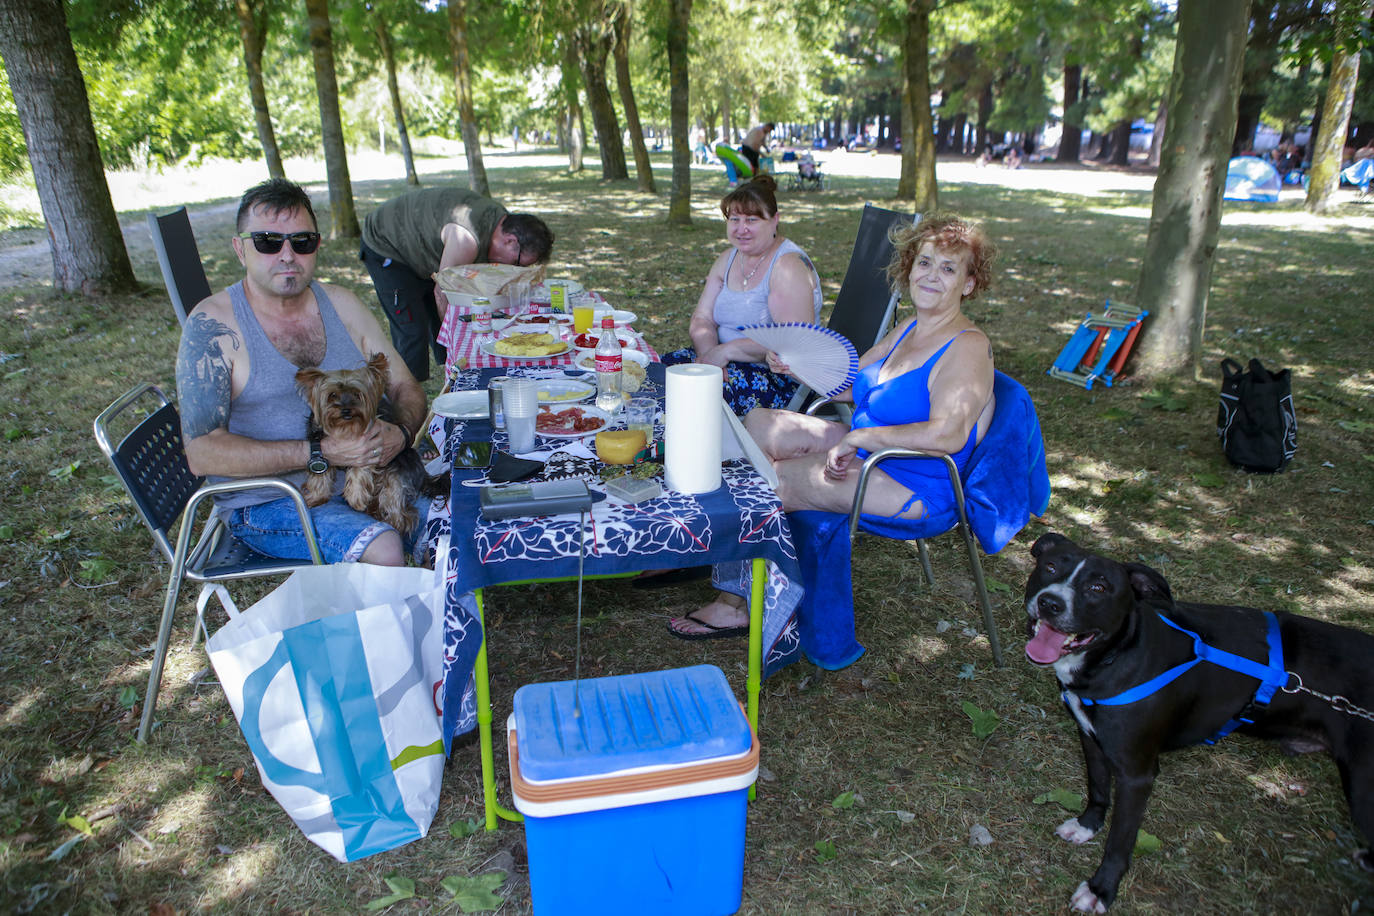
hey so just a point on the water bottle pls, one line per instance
(608, 368)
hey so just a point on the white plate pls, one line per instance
(462, 405)
(488, 347)
(596, 412)
(622, 317)
(588, 360)
(564, 391)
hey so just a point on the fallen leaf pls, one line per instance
(477, 893)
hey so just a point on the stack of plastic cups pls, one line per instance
(520, 404)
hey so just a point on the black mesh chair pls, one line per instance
(865, 303)
(179, 259)
(151, 463)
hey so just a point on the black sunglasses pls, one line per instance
(271, 242)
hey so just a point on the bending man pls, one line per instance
(409, 238)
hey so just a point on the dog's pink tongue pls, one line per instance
(1047, 645)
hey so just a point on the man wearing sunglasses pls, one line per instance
(241, 412)
(410, 238)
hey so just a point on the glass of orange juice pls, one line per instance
(582, 318)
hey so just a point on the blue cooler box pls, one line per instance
(635, 803)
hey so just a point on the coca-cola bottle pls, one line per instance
(608, 368)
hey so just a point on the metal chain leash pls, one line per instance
(1338, 703)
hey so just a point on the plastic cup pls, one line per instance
(639, 415)
(582, 317)
(520, 405)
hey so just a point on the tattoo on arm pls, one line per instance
(203, 377)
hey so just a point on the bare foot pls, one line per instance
(726, 616)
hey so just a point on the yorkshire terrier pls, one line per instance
(346, 402)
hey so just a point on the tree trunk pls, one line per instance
(1176, 271)
(644, 170)
(1157, 138)
(1325, 175)
(984, 113)
(462, 88)
(389, 57)
(594, 44)
(344, 218)
(573, 96)
(678, 34)
(1121, 143)
(921, 150)
(88, 253)
(253, 30)
(906, 177)
(1071, 139)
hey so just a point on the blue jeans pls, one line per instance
(343, 533)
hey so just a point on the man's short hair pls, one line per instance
(275, 195)
(532, 233)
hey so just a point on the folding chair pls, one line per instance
(865, 304)
(151, 463)
(1005, 482)
(179, 259)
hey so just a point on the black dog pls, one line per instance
(1102, 626)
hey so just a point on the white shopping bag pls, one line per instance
(335, 678)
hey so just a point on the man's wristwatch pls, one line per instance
(317, 463)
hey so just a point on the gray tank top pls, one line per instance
(269, 407)
(736, 308)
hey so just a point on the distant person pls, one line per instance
(410, 238)
(762, 278)
(755, 142)
(1013, 158)
(242, 414)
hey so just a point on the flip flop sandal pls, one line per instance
(672, 577)
(712, 631)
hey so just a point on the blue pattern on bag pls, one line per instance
(347, 733)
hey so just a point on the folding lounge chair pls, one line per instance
(865, 304)
(1004, 483)
(1099, 347)
(151, 463)
(179, 259)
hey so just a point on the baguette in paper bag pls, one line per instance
(486, 279)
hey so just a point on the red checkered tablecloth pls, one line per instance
(457, 335)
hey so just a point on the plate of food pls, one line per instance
(525, 345)
(462, 405)
(570, 422)
(564, 391)
(532, 321)
(632, 364)
(587, 341)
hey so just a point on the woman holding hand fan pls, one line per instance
(762, 278)
(927, 385)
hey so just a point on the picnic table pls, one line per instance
(739, 528)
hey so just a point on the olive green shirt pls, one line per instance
(407, 228)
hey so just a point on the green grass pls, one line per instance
(184, 821)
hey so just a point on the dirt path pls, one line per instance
(211, 194)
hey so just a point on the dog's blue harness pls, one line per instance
(1271, 677)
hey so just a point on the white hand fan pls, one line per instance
(823, 359)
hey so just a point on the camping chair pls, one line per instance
(179, 259)
(808, 176)
(865, 304)
(1004, 483)
(151, 463)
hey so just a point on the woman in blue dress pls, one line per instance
(761, 278)
(927, 385)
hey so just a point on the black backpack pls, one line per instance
(1256, 421)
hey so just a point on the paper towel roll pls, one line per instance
(691, 453)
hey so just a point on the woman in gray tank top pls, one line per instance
(762, 278)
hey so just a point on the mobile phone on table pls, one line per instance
(472, 455)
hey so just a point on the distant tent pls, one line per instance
(1250, 178)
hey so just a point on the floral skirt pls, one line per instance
(747, 385)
